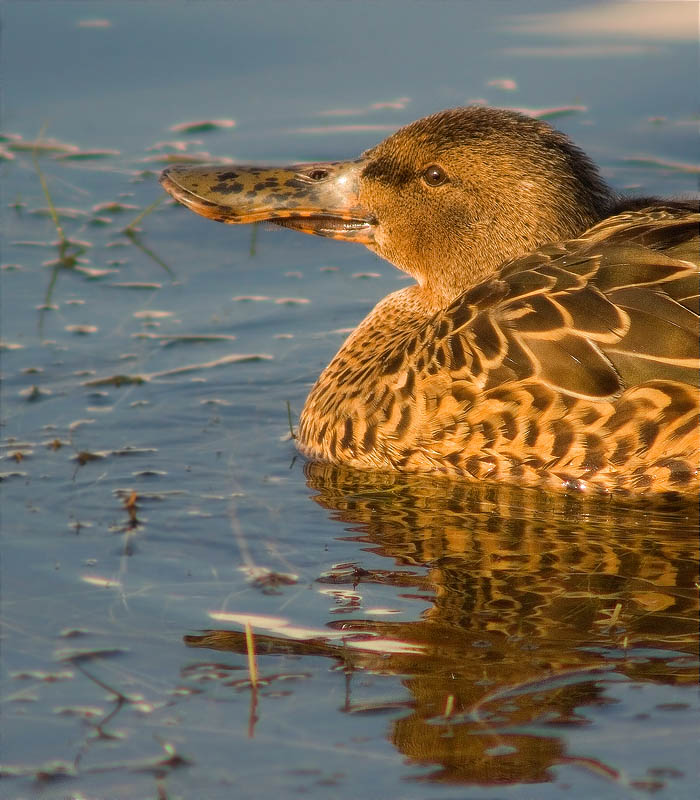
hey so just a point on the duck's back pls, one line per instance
(576, 365)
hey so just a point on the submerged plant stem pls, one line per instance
(289, 419)
(134, 222)
(45, 187)
(254, 239)
(131, 234)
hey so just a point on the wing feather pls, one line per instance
(591, 317)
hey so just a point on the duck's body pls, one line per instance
(552, 336)
(555, 370)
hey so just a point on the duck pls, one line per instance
(550, 335)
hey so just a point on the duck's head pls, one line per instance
(447, 199)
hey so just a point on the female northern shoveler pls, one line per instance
(551, 336)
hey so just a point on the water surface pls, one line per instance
(415, 638)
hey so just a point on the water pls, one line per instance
(415, 639)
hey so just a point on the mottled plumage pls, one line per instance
(552, 335)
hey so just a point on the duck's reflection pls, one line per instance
(538, 600)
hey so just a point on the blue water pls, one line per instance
(414, 639)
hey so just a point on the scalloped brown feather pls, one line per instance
(573, 366)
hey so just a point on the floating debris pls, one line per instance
(168, 340)
(65, 260)
(152, 314)
(150, 473)
(507, 84)
(395, 105)
(78, 244)
(317, 636)
(390, 105)
(85, 457)
(551, 113)
(12, 443)
(34, 393)
(43, 772)
(178, 146)
(87, 155)
(4, 476)
(42, 675)
(117, 381)
(94, 23)
(81, 330)
(292, 301)
(136, 285)
(41, 146)
(94, 273)
(269, 580)
(65, 213)
(78, 423)
(220, 362)
(85, 712)
(663, 163)
(202, 126)
(113, 207)
(26, 243)
(74, 633)
(214, 401)
(135, 451)
(96, 580)
(76, 654)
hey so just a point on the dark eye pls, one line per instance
(317, 174)
(434, 175)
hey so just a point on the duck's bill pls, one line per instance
(312, 198)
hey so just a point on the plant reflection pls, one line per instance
(538, 603)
